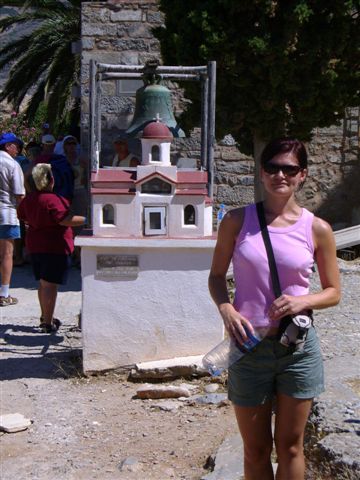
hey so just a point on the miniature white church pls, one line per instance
(155, 198)
(145, 267)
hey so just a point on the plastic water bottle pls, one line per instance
(220, 215)
(229, 351)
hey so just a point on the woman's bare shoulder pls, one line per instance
(322, 231)
(321, 227)
(234, 219)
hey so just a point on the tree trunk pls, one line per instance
(259, 145)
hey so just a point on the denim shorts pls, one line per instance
(9, 232)
(273, 368)
(51, 267)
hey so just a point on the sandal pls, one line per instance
(5, 301)
(50, 328)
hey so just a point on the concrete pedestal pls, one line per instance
(145, 300)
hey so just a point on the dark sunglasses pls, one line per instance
(70, 143)
(288, 170)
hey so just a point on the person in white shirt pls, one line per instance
(123, 158)
(11, 193)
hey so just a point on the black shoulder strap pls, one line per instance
(269, 250)
(285, 321)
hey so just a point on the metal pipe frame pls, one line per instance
(105, 67)
(174, 76)
(204, 120)
(211, 126)
(205, 74)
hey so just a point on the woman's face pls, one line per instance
(282, 174)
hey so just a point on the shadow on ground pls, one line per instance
(22, 277)
(27, 353)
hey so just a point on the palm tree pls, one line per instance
(42, 64)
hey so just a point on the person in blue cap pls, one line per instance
(11, 193)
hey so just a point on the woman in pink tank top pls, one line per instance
(274, 372)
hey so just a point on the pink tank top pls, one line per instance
(294, 255)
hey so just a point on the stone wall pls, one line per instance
(119, 32)
(331, 189)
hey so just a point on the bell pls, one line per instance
(153, 101)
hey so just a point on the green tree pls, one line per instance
(42, 64)
(283, 67)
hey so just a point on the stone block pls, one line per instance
(247, 180)
(108, 88)
(101, 30)
(239, 168)
(155, 17)
(103, 44)
(87, 43)
(124, 105)
(130, 464)
(167, 405)
(169, 369)
(145, 56)
(14, 422)
(137, 45)
(139, 30)
(154, 46)
(238, 195)
(231, 154)
(333, 157)
(161, 391)
(129, 58)
(94, 15)
(126, 15)
(211, 399)
(229, 460)
(342, 450)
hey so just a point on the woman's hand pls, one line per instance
(287, 305)
(234, 323)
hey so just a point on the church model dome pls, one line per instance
(157, 129)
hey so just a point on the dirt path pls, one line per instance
(84, 428)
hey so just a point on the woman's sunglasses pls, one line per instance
(288, 170)
(70, 143)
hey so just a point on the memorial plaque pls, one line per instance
(117, 265)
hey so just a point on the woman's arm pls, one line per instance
(228, 231)
(73, 221)
(325, 256)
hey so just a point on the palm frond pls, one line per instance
(35, 101)
(42, 60)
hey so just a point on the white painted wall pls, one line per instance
(129, 216)
(165, 312)
(164, 151)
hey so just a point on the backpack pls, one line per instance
(63, 176)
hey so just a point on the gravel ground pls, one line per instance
(96, 428)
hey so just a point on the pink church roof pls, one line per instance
(124, 182)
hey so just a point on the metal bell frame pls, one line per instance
(206, 75)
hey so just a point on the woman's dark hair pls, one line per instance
(285, 145)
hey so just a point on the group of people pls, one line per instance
(41, 184)
(42, 193)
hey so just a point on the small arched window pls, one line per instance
(189, 215)
(155, 153)
(108, 215)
